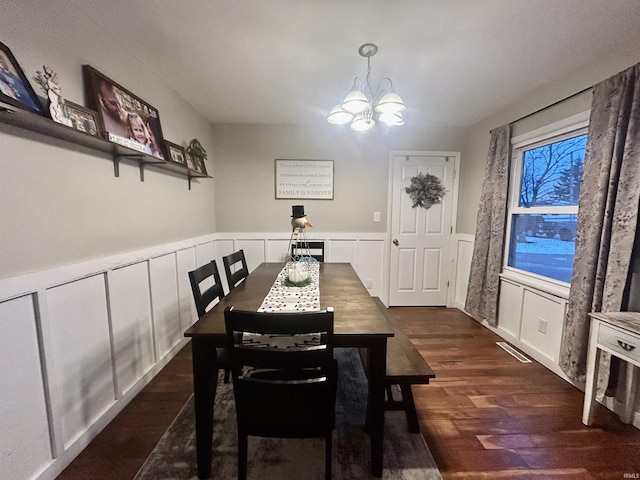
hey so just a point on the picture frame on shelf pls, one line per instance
(15, 89)
(201, 166)
(190, 162)
(196, 164)
(175, 153)
(84, 119)
(126, 118)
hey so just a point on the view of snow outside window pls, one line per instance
(544, 243)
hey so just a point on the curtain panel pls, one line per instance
(486, 262)
(607, 214)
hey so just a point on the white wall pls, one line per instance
(244, 158)
(61, 204)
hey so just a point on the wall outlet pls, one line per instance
(376, 216)
(542, 325)
(368, 283)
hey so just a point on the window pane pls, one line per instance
(551, 173)
(544, 244)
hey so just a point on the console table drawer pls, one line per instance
(623, 343)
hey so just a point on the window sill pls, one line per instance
(546, 285)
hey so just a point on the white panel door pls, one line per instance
(419, 260)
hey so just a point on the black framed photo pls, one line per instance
(84, 119)
(191, 162)
(175, 153)
(201, 167)
(126, 118)
(196, 164)
(15, 89)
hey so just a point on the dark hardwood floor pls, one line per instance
(485, 416)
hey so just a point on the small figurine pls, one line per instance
(57, 107)
(299, 219)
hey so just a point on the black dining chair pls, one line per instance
(282, 391)
(235, 273)
(310, 249)
(203, 299)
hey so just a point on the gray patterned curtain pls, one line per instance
(484, 280)
(607, 213)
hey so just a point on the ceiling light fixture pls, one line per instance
(362, 103)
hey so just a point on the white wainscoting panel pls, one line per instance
(81, 348)
(462, 252)
(25, 446)
(277, 250)
(542, 322)
(132, 329)
(254, 251)
(164, 297)
(342, 251)
(205, 252)
(186, 259)
(510, 308)
(370, 266)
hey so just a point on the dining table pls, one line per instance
(358, 322)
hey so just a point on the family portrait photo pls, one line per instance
(15, 89)
(125, 117)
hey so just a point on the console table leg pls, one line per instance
(629, 398)
(593, 361)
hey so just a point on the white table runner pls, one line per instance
(282, 298)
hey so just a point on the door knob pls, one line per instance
(395, 242)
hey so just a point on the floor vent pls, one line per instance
(512, 351)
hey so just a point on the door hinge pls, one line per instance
(454, 173)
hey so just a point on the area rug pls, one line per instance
(406, 455)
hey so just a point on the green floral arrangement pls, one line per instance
(425, 190)
(302, 283)
(195, 149)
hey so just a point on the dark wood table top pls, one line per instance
(356, 312)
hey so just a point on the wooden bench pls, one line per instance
(405, 367)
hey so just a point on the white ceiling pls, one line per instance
(454, 62)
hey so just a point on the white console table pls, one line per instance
(617, 333)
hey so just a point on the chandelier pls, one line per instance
(362, 105)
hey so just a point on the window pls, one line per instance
(543, 204)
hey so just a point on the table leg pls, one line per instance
(205, 379)
(593, 362)
(377, 371)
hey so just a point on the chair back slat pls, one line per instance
(280, 341)
(204, 298)
(234, 272)
(313, 249)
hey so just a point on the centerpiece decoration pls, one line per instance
(298, 274)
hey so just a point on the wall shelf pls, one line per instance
(35, 123)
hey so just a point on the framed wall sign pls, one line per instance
(312, 179)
